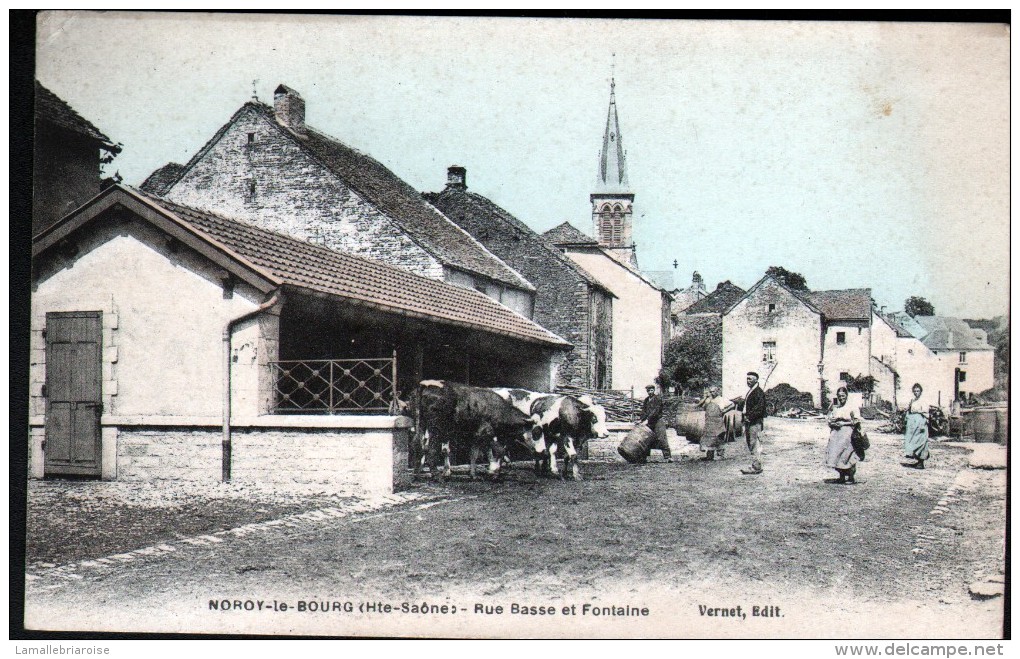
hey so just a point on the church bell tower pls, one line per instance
(612, 203)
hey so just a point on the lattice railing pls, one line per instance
(335, 386)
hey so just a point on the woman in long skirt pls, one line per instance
(713, 440)
(840, 454)
(915, 439)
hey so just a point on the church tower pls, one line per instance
(612, 203)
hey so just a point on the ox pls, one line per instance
(452, 413)
(564, 423)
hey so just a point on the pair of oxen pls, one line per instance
(489, 421)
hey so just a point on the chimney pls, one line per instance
(456, 178)
(289, 108)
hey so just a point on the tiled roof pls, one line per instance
(305, 265)
(895, 324)
(375, 183)
(718, 301)
(49, 107)
(457, 204)
(568, 234)
(848, 304)
(947, 333)
(163, 178)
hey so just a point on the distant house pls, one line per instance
(685, 297)
(641, 325)
(568, 301)
(960, 362)
(170, 342)
(814, 341)
(704, 317)
(69, 152)
(268, 167)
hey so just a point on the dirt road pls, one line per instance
(687, 543)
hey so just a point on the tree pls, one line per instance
(693, 359)
(918, 306)
(793, 280)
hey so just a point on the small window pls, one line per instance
(251, 188)
(962, 377)
(963, 358)
(840, 338)
(768, 351)
(251, 138)
(772, 307)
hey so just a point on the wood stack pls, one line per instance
(618, 406)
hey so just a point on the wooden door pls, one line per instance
(74, 400)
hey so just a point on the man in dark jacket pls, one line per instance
(754, 417)
(651, 414)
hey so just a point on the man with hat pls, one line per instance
(651, 414)
(754, 416)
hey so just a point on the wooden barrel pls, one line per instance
(636, 446)
(1001, 424)
(690, 422)
(984, 425)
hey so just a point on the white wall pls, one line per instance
(637, 320)
(851, 357)
(164, 315)
(795, 328)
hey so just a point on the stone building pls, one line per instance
(813, 341)
(945, 355)
(685, 297)
(268, 167)
(568, 301)
(641, 325)
(705, 318)
(69, 152)
(173, 343)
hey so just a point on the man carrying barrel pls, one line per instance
(651, 414)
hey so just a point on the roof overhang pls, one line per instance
(117, 198)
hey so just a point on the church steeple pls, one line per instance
(612, 176)
(612, 202)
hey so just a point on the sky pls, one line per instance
(861, 155)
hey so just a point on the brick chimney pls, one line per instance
(456, 178)
(289, 108)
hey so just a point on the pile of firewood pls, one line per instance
(618, 406)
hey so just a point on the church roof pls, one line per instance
(568, 234)
(612, 174)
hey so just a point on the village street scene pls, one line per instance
(422, 327)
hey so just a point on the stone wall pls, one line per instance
(773, 314)
(268, 180)
(355, 455)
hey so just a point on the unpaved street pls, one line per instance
(688, 541)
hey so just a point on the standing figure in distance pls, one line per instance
(915, 439)
(713, 441)
(754, 418)
(651, 414)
